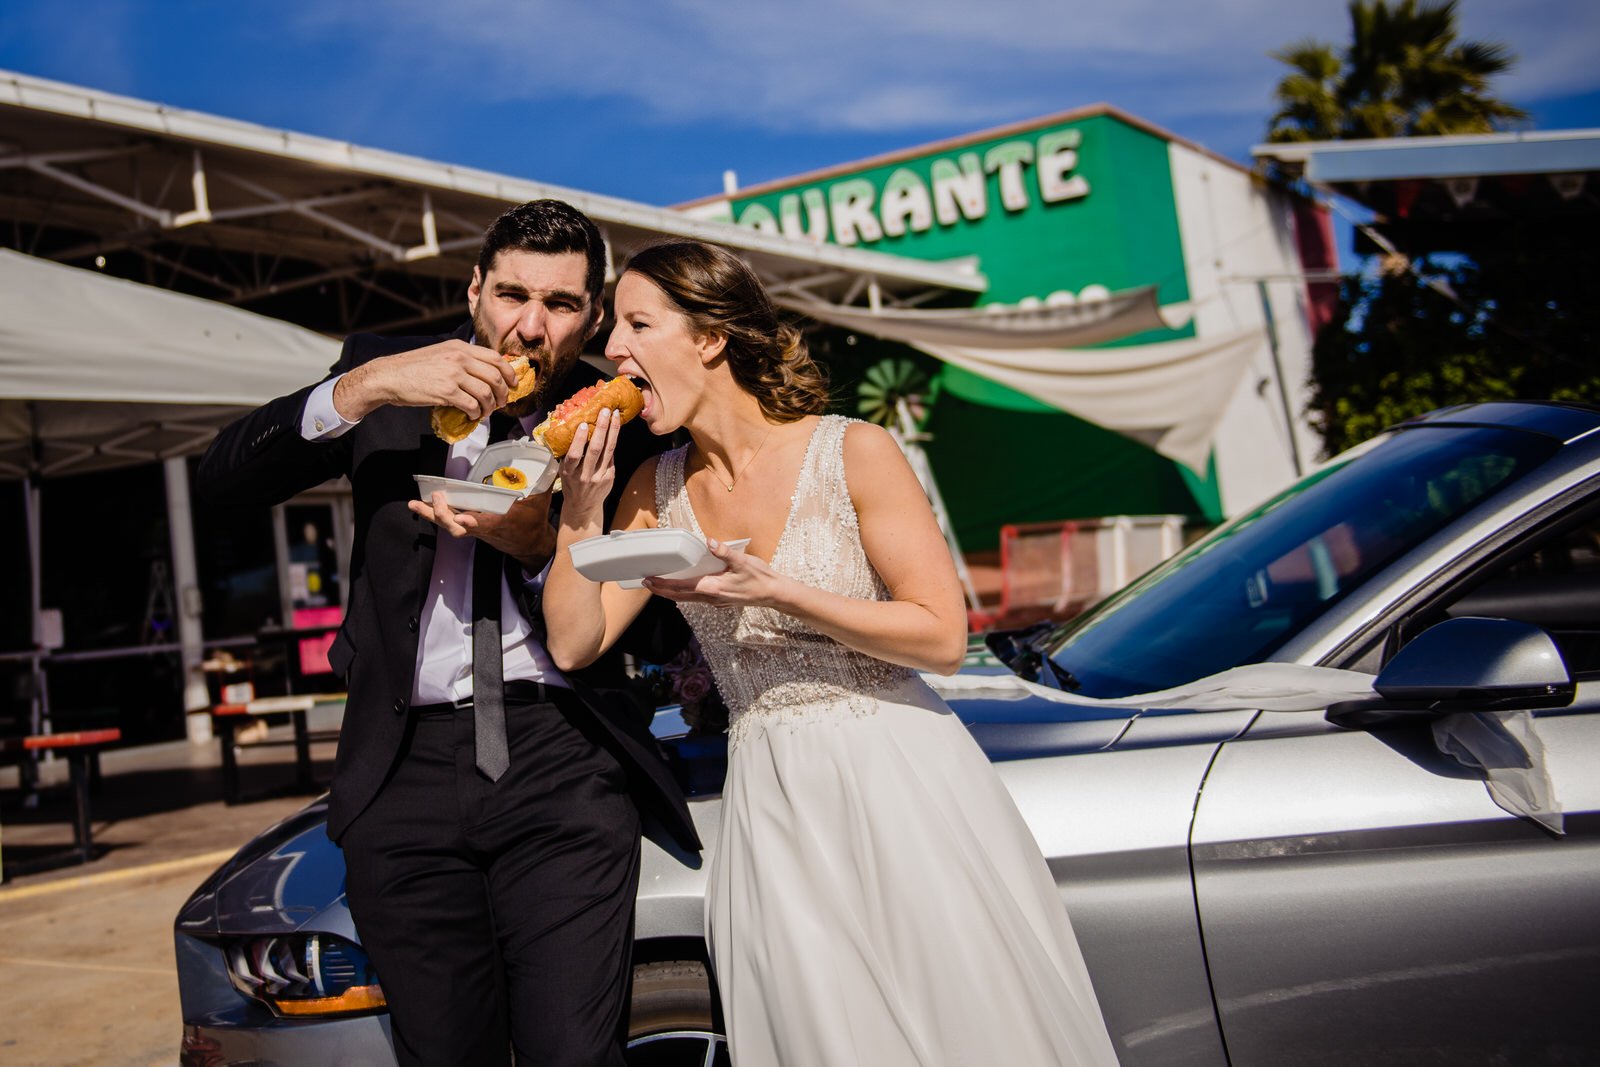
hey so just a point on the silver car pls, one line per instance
(1248, 887)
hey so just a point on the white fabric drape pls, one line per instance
(1169, 395)
(1089, 322)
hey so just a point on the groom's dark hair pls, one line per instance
(550, 227)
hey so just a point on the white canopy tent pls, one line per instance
(98, 372)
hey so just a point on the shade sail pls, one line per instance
(1001, 327)
(98, 372)
(1169, 395)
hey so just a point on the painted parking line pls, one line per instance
(86, 881)
(27, 961)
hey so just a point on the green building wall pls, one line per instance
(1067, 205)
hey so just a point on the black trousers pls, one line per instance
(500, 914)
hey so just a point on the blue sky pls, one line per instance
(652, 101)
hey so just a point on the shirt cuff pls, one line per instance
(320, 421)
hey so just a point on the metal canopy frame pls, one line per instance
(333, 236)
(1466, 155)
(1480, 178)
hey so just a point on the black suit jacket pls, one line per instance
(263, 459)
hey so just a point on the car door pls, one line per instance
(1113, 823)
(1361, 897)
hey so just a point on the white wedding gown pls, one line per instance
(875, 898)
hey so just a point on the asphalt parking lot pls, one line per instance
(87, 974)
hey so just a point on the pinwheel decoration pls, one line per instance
(890, 386)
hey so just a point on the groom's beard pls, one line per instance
(541, 357)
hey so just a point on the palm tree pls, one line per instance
(1404, 73)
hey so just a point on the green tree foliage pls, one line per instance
(1494, 306)
(1514, 322)
(1404, 73)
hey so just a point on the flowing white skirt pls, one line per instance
(876, 900)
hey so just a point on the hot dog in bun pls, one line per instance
(584, 407)
(452, 424)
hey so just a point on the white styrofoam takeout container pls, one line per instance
(627, 557)
(530, 457)
(469, 496)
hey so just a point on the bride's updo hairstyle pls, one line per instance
(719, 295)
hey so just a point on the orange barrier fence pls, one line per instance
(1057, 569)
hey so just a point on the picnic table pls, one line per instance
(226, 718)
(82, 750)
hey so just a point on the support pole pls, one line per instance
(430, 235)
(1277, 374)
(280, 555)
(905, 432)
(39, 704)
(202, 199)
(186, 579)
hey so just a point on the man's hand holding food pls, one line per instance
(452, 373)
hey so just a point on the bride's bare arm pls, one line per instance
(584, 618)
(923, 625)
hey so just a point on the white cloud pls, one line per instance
(886, 65)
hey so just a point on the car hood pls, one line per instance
(1008, 723)
(1008, 728)
(287, 878)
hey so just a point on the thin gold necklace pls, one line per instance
(730, 484)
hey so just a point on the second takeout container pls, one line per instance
(530, 457)
(468, 496)
(629, 556)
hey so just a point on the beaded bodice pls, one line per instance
(769, 666)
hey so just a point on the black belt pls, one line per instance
(517, 691)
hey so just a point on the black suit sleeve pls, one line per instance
(262, 458)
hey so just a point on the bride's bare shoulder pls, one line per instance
(874, 467)
(867, 443)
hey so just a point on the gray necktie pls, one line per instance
(488, 667)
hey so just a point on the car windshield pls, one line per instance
(1236, 596)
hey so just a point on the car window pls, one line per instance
(1550, 578)
(1237, 596)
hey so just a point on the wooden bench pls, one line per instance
(81, 749)
(227, 717)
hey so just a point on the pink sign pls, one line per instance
(314, 650)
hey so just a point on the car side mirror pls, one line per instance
(1466, 664)
(1015, 648)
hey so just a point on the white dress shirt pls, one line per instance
(444, 646)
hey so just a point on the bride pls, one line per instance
(874, 898)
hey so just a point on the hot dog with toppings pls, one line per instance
(584, 407)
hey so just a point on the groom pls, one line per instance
(488, 806)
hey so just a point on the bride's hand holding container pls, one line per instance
(747, 582)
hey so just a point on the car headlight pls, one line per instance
(300, 975)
